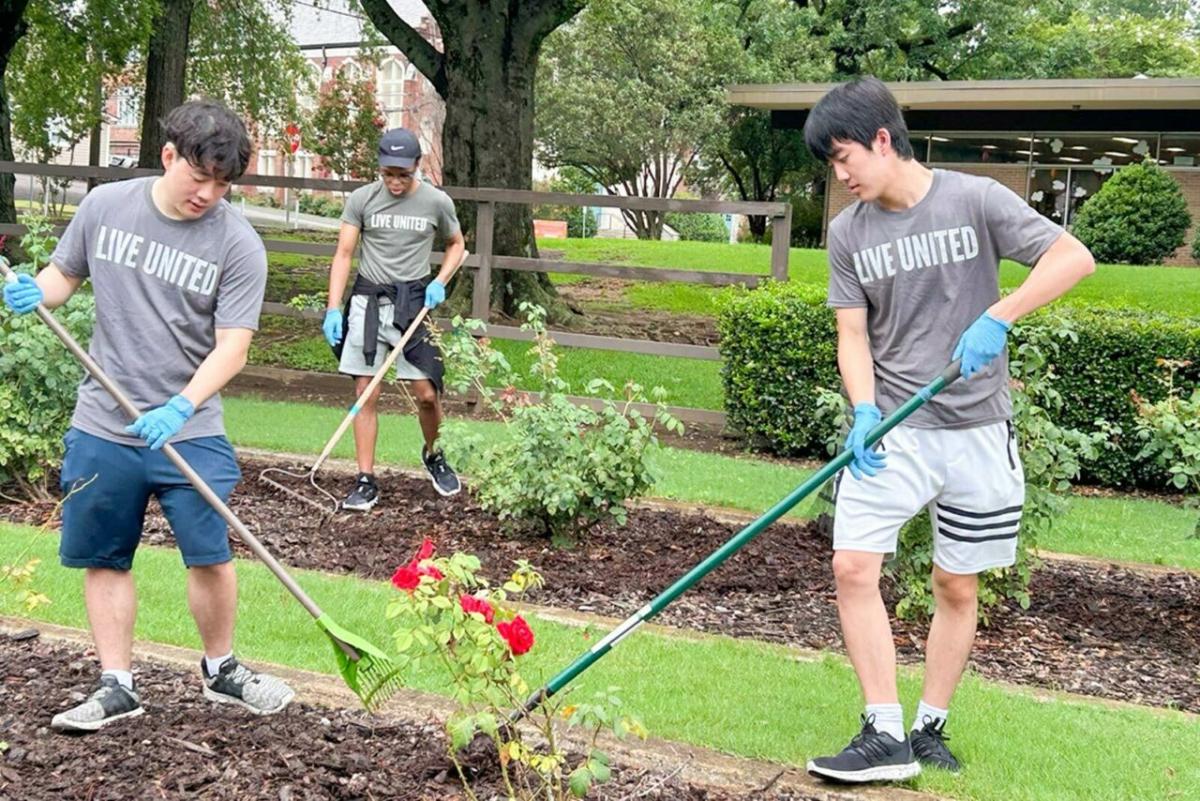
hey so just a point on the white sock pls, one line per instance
(123, 677)
(888, 718)
(927, 713)
(213, 666)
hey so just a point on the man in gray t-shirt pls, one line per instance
(178, 279)
(914, 280)
(396, 219)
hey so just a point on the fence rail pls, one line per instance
(484, 260)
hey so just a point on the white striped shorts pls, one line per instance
(971, 480)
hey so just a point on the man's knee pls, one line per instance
(425, 395)
(856, 570)
(954, 590)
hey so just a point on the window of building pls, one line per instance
(309, 94)
(266, 162)
(129, 107)
(1101, 150)
(1179, 150)
(976, 148)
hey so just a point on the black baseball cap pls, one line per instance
(399, 148)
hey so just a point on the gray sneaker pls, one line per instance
(110, 703)
(237, 684)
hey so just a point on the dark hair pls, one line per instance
(854, 112)
(209, 136)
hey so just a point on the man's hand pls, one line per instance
(869, 462)
(332, 327)
(22, 294)
(159, 425)
(981, 343)
(435, 293)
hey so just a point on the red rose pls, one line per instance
(406, 578)
(425, 551)
(431, 571)
(517, 634)
(471, 604)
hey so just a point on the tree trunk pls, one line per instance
(166, 66)
(486, 76)
(12, 28)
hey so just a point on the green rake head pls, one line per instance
(367, 670)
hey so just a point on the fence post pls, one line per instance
(781, 239)
(485, 223)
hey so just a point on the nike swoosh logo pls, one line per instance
(401, 147)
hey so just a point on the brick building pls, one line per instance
(1053, 142)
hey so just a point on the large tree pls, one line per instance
(630, 92)
(237, 51)
(12, 28)
(485, 73)
(166, 68)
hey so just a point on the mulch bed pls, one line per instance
(185, 747)
(1102, 631)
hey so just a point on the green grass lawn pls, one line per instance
(689, 382)
(1015, 747)
(1115, 528)
(1170, 289)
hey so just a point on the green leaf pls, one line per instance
(580, 781)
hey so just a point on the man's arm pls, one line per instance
(1064, 265)
(854, 355)
(339, 273)
(220, 366)
(57, 287)
(455, 246)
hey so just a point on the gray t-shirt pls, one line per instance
(162, 288)
(397, 232)
(925, 274)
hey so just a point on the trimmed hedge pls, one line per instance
(779, 344)
(1139, 216)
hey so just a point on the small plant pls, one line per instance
(313, 301)
(449, 618)
(39, 380)
(17, 579)
(562, 468)
(1170, 433)
(1139, 216)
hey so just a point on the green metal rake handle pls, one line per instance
(947, 377)
(176, 459)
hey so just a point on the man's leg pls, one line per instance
(111, 603)
(865, 626)
(429, 411)
(212, 597)
(950, 635)
(366, 426)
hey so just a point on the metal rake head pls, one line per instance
(326, 507)
(366, 669)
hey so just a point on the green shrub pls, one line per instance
(1139, 216)
(778, 345)
(561, 468)
(321, 205)
(1115, 353)
(1196, 246)
(580, 221)
(39, 380)
(694, 227)
(1170, 434)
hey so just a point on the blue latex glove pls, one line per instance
(22, 295)
(159, 425)
(981, 343)
(435, 293)
(868, 462)
(332, 327)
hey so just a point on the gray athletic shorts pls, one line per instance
(353, 363)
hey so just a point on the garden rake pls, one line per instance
(367, 670)
(311, 475)
(947, 377)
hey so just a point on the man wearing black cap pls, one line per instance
(396, 218)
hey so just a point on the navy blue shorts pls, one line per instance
(112, 483)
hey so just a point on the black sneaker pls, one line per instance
(364, 495)
(443, 478)
(871, 757)
(929, 745)
(110, 703)
(237, 684)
